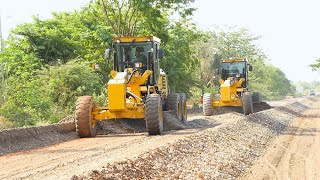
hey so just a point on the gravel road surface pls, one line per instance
(225, 146)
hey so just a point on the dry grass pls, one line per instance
(5, 124)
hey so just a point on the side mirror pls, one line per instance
(223, 72)
(250, 67)
(160, 53)
(107, 53)
(217, 71)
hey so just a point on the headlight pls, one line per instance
(238, 75)
(96, 67)
(138, 65)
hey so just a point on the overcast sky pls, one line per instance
(290, 29)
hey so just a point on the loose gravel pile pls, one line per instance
(125, 126)
(224, 110)
(13, 140)
(221, 152)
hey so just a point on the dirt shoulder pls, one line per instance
(295, 153)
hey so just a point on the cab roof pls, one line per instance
(235, 60)
(136, 39)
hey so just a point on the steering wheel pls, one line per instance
(127, 64)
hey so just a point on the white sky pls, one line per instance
(290, 29)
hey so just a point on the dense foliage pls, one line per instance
(47, 62)
(315, 65)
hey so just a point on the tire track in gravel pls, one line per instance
(312, 167)
(295, 154)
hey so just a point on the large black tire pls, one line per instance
(173, 104)
(154, 114)
(247, 103)
(207, 104)
(256, 98)
(183, 102)
(85, 127)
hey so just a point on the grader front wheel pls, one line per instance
(247, 103)
(183, 102)
(85, 127)
(154, 114)
(207, 104)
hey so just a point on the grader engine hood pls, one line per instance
(228, 88)
(123, 83)
(117, 92)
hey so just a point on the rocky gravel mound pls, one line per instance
(125, 126)
(220, 152)
(224, 110)
(13, 140)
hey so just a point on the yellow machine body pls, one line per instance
(129, 39)
(116, 94)
(230, 89)
(125, 97)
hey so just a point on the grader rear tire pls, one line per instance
(183, 102)
(174, 104)
(85, 127)
(207, 104)
(154, 114)
(247, 103)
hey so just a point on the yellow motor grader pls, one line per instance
(138, 88)
(233, 84)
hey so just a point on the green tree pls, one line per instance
(235, 42)
(316, 65)
(48, 95)
(179, 63)
(48, 61)
(139, 17)
(205, 53)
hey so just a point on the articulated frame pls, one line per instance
(229, 94)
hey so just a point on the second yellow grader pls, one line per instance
(233, 84)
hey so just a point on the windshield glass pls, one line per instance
(234, 67)
(130, 53)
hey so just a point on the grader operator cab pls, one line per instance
(233, 85)
(138, 89)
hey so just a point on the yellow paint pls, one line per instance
(143, 89)
(116, 95)
(136, 39)
(113, 74)
(129, 113)
(135, 83)
(163, 84)
(118, 105)
(234, 60)
(234, 102)
(225, 93)
(228, 93)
